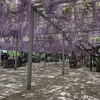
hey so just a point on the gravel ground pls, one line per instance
(49, 84)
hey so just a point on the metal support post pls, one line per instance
(90, 62)
(29, 69)
(16, 58)
(63, 62)
(56, 58)
(45, 58)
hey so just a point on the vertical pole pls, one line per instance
(45, 58)
(56, 58)
(63, 65)
(45, 61)
(76, 51)
(0, 58)
(16, 50)
(90, 62)
(29, 69)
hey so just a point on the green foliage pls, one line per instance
(65, 9)
(98, 38)
(88, 0)
(42, 56)
(11, 53)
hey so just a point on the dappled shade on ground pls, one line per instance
(49, 84)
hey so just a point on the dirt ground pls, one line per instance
(48, 83)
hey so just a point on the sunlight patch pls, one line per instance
(28, 95)
(62, 98)
(1, 97)
(86, 97)
(50, 76)
(63, 93)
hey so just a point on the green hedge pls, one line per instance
(11, 53)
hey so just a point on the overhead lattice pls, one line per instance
(79, 20)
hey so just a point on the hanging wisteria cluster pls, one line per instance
(78, 20)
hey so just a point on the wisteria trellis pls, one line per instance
(80, 24)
